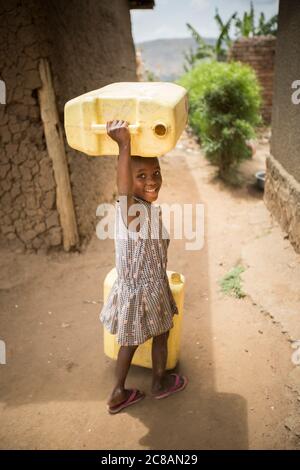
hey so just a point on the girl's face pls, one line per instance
(147, 179)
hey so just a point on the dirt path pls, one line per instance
(56, 380)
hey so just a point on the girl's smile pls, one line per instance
(147, 178)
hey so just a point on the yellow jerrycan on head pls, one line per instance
(142, 356)
(157, 113)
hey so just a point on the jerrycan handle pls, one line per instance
(101, 128)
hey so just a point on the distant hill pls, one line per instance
(165, 57)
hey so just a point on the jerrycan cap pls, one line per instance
(176, 278)
(160, 129)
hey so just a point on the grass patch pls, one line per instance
(231, 283)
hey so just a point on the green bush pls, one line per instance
(224, 106)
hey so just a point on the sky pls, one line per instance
(169, 17)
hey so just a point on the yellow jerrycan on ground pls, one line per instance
(142, 356)
(157, 113)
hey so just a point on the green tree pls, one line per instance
(225, 104)
(203, 50)
(224, 36)
(267, 27)
(150, 76)
(245, 26)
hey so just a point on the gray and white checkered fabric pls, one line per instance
(140, 304)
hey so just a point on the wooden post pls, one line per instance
(56, 151)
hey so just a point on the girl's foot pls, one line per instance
(170, 384)
(132, 396)
(118, 396)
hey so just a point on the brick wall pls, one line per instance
(259, 52)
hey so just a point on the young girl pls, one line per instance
(140, 305)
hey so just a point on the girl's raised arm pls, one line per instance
(119, 132)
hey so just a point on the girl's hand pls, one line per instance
(119, 132)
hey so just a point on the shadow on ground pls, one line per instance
(57, 357)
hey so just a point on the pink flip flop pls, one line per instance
(134, 397)
(174, 388)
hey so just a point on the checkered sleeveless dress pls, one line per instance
(140, 304)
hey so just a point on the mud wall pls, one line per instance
(282, 189)
(88, 44)
(285, 142)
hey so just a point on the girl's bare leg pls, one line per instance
(160, 380)
(159, 360)
(119, 393)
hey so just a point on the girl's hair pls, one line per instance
(138, 158)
